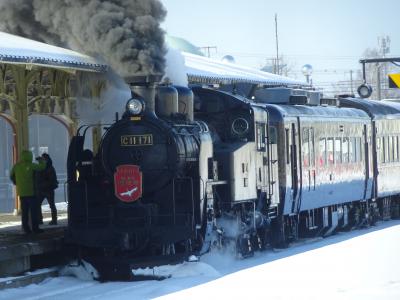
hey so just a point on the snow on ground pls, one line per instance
(362, 264)
(61, 212)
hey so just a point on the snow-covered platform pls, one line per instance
(20, 252)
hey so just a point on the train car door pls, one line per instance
(262, 165)
(374, 154)
(367, 188)
(295, 154)
(308, 159)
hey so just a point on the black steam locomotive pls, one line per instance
(185, 170)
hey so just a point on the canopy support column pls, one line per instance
(22, 78)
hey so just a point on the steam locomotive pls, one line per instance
(185, 170)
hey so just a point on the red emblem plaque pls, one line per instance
(128, 183)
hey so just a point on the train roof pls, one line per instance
(201, 89)
(374, 108)
(278, 112)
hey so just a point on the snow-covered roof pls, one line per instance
(206, 70)
(18, 50)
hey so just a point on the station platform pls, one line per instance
(20, 252)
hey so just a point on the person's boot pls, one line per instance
(53, 218)
(53, 222)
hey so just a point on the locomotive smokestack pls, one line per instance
(145, 87)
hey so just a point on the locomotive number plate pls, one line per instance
(137, 140)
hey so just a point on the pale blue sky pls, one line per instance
(330, 35)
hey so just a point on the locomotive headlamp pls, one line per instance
(364, 90)
(135, 106)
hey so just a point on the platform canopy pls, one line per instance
(18, 50)
(37, 78)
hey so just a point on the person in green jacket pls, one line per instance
(22, 175)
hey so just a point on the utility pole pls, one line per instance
(208, 48)
(378, 79)
(351, 81)
(384, 44)
(277, 47)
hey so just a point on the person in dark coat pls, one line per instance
(22, 175)
(46, 183)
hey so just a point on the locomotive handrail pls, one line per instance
(86, 204)
(217, 182)
(89, 126)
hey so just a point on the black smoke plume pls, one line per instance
(125, 33)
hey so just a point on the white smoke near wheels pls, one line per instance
(125, 33)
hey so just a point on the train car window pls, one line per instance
(358, 149)
(287, 145)
(352, 150)
(305, 147)
(384, 150)
(261, 136)
(387, 157)
(387, 154)
(390, 147)
(338, 150)
(357, 143)
(396, 148)
(379, 149)
(345, 150)
(312, 147)
(272, 135)
(322, 151)
(330, 151)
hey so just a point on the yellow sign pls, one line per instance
(394, 81)
(137, 140)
